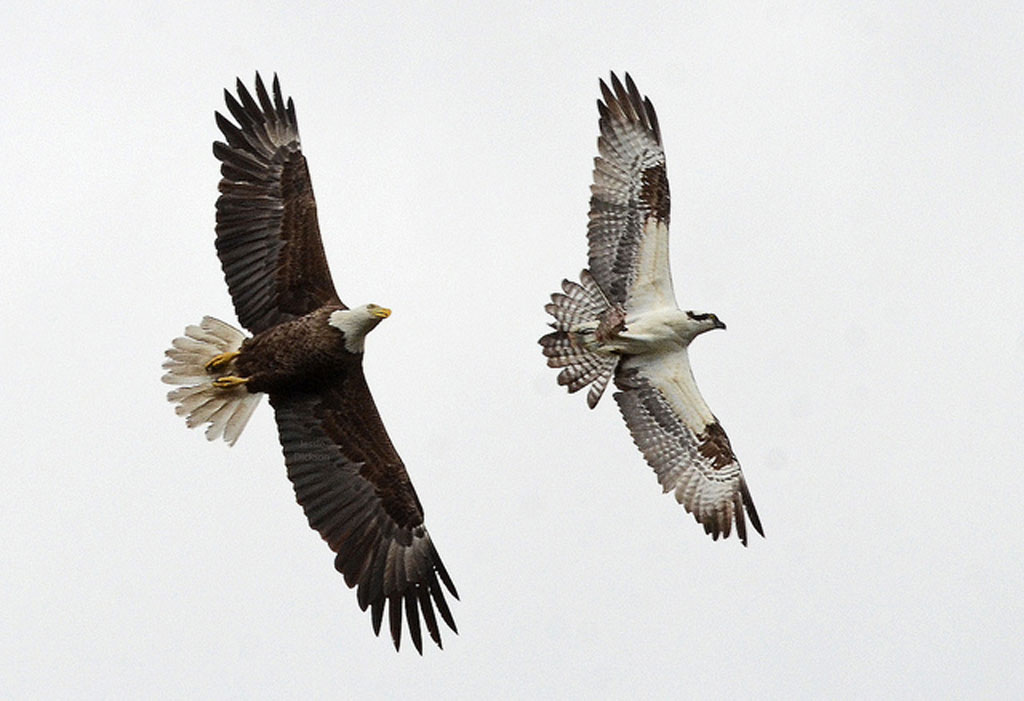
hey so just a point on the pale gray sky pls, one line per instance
(847, 188)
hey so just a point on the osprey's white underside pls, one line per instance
(656, 344)
(652, 287)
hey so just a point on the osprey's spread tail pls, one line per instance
(191, 363)
(584, 319)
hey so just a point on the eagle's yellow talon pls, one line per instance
(229, 381)
(220, 361)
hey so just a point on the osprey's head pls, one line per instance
(356, 323)
(698, 323)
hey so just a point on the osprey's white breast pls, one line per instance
(657, 331)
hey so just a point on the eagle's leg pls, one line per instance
(220, 361)
(229, 381)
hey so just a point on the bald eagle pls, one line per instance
(621, 321)
(306, 353)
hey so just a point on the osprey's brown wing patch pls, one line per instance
(268, 238)
(629, 203)
(684, 444)
(356, 493)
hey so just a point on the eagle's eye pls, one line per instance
(378, 312)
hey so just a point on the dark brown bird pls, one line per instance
(306, 353)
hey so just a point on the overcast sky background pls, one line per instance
(847, 187)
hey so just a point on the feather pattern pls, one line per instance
(578, 311)
(356, 493)
(629, 204)
(683, 442)
(268, 238)
(197, 399)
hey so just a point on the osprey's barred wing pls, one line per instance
(684, 443)
(268, 239)
(356, 493)
(629, 204)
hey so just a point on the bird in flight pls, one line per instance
(621, 322)
(306, 354)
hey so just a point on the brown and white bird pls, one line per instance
(621, 321)
(306, 353)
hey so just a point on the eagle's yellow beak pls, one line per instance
(381, 313)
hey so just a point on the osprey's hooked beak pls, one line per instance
(719, 324)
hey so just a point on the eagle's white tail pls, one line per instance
(226, 410)
(583, 319)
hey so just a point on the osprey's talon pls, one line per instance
(229, 381)
(220, 361)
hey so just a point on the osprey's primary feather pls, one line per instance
(621, 321)
(307, 355)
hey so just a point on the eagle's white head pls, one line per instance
(356, 323)
(697, 323)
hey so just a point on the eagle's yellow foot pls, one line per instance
(229, 381)
(220, 361)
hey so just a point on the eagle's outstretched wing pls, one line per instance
(268, 239)
(683, 442)
(629, 204)
(355, 491)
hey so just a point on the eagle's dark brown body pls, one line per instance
(296, 356)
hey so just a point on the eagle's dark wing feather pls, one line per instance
(268, 239)
(356, 493)
(629, 203)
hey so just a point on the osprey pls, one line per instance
(307, 355)
(621, 321)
